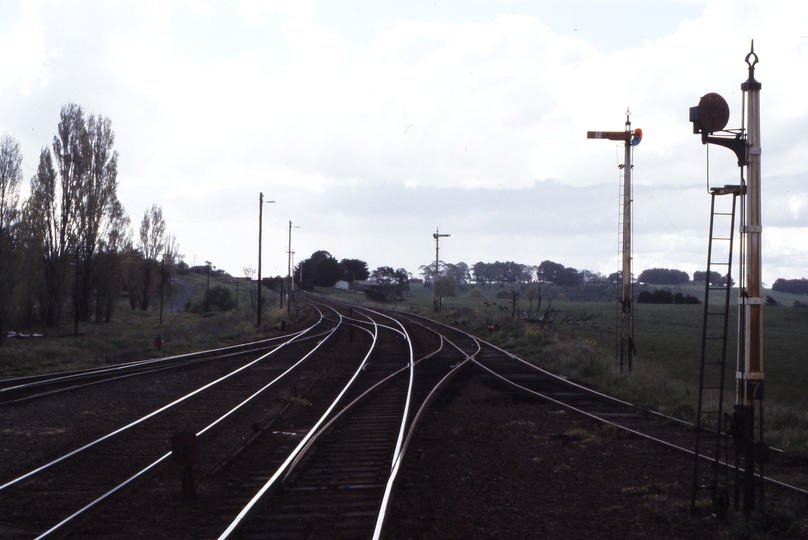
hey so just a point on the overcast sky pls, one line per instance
(373, 123)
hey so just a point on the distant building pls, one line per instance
(341, 285)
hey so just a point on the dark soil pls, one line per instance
(490, 464)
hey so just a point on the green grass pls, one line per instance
(130, 335)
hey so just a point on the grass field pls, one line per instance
(130, 335)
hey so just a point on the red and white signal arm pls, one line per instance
(637, 137)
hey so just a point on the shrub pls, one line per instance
(655, 297)
(476, 292)
(219, 299)
(665, 297)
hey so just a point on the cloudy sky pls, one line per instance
(373, 123)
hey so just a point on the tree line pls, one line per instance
(323, 270)
(793, 286)
(507, 272)
(68, 247)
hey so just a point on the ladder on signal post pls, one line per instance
(709, 452)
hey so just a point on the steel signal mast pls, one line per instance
(437, 236)
(631, 139)
(711, 116)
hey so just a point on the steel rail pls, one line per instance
(50, 378)
(71, 521)
(640, 434)
(599, 396)
(555, 377)
(108, 375)
(402, 441)
(31, 474)
(185, 363)
(270, 485)
(350, 406)
(382, 514)
(408, 400)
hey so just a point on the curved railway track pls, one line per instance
(308, 445)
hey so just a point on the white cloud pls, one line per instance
(472, 110)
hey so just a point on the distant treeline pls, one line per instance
(512, 272)
(793, 286)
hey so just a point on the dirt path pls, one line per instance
(186, 292)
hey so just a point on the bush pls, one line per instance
(665, 297)
(219, 299)
(306, 285)
(476, 292)
(679, 298)
(655, 297)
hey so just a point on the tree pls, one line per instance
(389, 285)
(660, 296)
(460, 272)
(663, 276)
(715, 278)
(10, 180)
(50, 207)
(446, 286)
(99, 214)
(109, 265)
(354, 269)
(74, 210)
(321, 269)
(151, 244)
(553, 272)
(480, 270)
(549, 271)
(501, 272)
(793, 286)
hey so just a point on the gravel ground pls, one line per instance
(490, 464)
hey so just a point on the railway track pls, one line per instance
(76, 482)
(37, 386)
(322, 463)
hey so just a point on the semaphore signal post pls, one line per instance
(630, 139)
(710, 117)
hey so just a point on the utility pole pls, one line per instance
(162, 281)
(630, 140)
(289, 268)
(207, 289)
(76, 296)
(260, 227)
(437, 236)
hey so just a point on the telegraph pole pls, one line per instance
(630, 139)
(260, 227)
(289, 268)
(437, 236)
